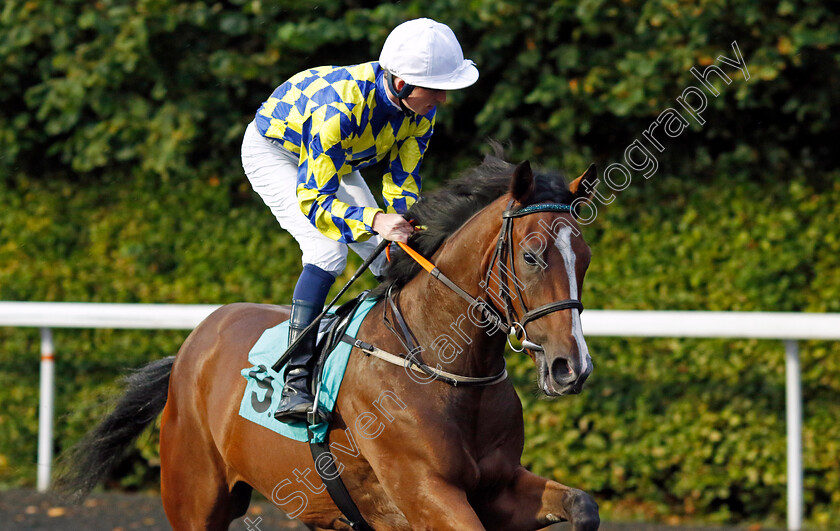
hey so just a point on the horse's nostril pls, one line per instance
(561, 371)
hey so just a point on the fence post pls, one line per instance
(794, 435)
(45, 410)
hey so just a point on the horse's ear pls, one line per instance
(522, 184)
(584, 186)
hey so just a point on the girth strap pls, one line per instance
(335, 487)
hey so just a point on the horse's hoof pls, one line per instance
(583, 512)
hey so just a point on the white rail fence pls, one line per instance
(787, 327)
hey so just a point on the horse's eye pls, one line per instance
(530, 259)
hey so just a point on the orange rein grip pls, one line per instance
(420, 259)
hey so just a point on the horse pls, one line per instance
(415, 450)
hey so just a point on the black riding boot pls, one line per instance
(297, 398)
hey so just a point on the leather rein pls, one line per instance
(503, 255)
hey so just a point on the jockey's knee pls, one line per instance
(331, 257)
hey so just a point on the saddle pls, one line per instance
(331, 331)
(265, 384)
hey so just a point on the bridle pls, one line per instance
(507, 275)
(502, 254)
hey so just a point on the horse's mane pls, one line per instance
(444, 211)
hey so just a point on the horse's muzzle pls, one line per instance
(561, 375)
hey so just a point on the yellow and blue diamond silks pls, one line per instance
(339, 119)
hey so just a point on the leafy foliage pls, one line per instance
(120, 125)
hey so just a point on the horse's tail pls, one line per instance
(87, 463)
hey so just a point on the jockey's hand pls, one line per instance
(392, 227)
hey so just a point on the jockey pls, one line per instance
(303, 151)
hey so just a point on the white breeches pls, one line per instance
(273, 171)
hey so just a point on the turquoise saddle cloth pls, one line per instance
(262, 394)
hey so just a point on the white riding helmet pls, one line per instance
(427, 54)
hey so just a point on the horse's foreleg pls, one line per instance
(442, 506)
(533, 502)
(429, 502)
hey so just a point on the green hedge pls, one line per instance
(685, 428)
(120, 182)
(103, 88)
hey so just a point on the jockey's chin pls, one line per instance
(423, 100)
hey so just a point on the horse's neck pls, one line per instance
(440, 318)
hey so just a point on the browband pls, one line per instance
(540, 207)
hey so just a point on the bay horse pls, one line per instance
(413, 452)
